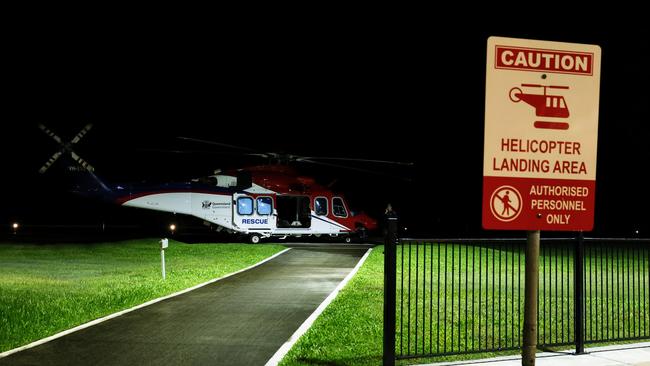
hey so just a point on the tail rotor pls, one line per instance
(66, 148)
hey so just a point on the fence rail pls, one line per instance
(457, 296)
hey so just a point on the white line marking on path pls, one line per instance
(277, 357)
(115, 315)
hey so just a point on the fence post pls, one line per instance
(390, 274)
(579, 299)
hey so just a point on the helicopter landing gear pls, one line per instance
(362, 234)
(254, 238)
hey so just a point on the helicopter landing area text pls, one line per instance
(511, 163)
(539, 166)
(540, 146)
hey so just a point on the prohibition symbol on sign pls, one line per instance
(505, 203)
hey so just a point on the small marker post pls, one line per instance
(164, 243)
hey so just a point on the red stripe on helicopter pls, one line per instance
(536, 59)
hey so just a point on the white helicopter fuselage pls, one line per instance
(260, 201)
(220, 208)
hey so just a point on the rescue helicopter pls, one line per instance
(259, 201)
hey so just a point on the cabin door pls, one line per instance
(293, 212)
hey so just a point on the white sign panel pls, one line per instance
(541, 135)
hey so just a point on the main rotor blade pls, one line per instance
(200, 152)
(351, 168)
(355, 159)
(51, 161)
(50, 133)
(217, 144)
(81, 133)
(203, 152)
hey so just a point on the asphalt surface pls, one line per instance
(241, 320)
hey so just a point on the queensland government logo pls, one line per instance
(209, 204)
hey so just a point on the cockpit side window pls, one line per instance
(264, 205)
(245, 206)
(338, 207)
(320, 206)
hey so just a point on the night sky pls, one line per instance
(409, 92)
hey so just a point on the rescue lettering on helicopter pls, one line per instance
(534, 59)
(255, 221)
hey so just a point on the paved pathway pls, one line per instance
(241, 320)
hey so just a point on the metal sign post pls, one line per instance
(578, 294)
(530, 299)
(164, 243)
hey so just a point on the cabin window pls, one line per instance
(338, 208)
(245, 206)
(264, 205)
(320, 206)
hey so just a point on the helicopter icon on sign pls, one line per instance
(546, 105)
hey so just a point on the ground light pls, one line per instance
(15, 226)
(172, 228)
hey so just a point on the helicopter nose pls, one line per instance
(371, 224)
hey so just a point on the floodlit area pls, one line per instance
(50, 288)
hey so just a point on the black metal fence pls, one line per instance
(457, 296)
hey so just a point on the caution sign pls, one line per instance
(541, 134)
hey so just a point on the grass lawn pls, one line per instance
(478, 296)
(349, 332)
(45, 289)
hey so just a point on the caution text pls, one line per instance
(527, 59)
